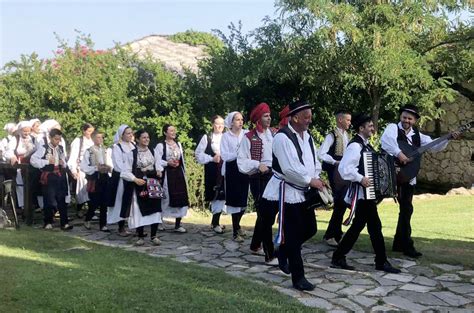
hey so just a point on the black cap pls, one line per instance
(410, 109)
(298, 106)
(359, 119)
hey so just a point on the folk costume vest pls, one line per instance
(213, 179)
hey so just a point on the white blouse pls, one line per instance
(229, 146)
(200, 153)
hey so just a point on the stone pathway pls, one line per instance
(435, 288)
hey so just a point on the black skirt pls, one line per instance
(177, 190)
(213, 182)
(146, 204)
(112, 186)
(236, 185)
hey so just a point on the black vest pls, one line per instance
(292, 136)
(416, 140)
(49, 150)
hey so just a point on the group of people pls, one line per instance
(135, 184)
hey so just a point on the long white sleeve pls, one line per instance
(317, 164)
(294, 172)
(37, 160)
(117, 159)
(389, 140)
(244, 160)
(348, 168)
(425, 139)
(160, 164)
(324, 149)
(228, 150)
(85, 165)
(200, 154)
(74, 155)
(9, 151)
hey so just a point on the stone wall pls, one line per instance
(454, 166)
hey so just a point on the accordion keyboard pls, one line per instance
(369, 165)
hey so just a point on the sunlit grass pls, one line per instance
(44, 271)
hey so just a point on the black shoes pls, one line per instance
(302, 284)
(285, 268)
(342, 264)
(387, 267)
(412, 253)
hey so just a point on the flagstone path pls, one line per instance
(434, 288)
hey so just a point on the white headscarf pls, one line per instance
(229, 118)
(10, 128)
(23, 124)
(47, 125)
(33, 121)
(119, 133)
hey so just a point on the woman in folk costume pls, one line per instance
(97, 165)
(142, 203)
(78, 146)
(20, 148)
(10, 128)
(236, 183)
(35, 127)
(208, 153)
(122, 159)
(170, 165)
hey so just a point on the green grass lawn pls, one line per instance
(49, 272)
(443, 228)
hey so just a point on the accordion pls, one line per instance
(380, 169)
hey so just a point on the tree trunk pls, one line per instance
(375, 97)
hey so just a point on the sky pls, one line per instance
(30, 26)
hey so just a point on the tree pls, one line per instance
(390, 50)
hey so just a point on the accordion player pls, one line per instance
(380, 169)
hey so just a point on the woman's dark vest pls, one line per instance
(213, 186)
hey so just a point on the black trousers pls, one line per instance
(299, 225)
(366, 214)
(268, 213)
(54, 195)
(402, 240)
(257, 187)
(334, 229)
(98, 200)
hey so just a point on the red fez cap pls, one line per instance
(257, 114)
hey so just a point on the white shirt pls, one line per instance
(174, 152)
(123, 161)
(244, 160)
(75, 154)
(37, 157)
(327, 143)
(229, 145)
(102, 155)
(200, 153)
(390, 144)
(349, 166)
(292, 170)
(4, 146)
(26, 147)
